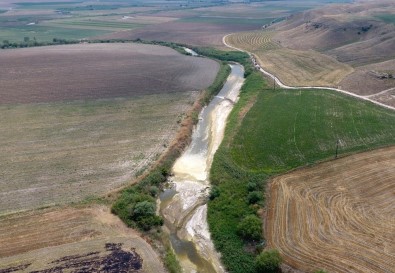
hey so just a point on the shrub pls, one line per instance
(251, 186)
(250, 228)
(214, 192)
(268, 261)
(254, 197)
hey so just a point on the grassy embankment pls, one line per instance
(270, 132)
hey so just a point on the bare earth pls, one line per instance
(197, 34)
(89, 239)
(96, 71)
(338, 216)
(131, 100)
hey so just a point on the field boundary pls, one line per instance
(282, 85)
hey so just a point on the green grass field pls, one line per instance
(46, 33)
(284, 129)
(387, 18)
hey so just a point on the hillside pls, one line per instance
(361, 34)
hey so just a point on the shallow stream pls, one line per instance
(183, 205)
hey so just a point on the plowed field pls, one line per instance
(98, 71)
(338, 216)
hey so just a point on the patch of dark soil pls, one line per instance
(113, 260)
(14, 268)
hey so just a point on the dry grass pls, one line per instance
(293, 67)
(365, 80)
(338, 216)
(42, 237)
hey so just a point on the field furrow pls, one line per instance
(338, 216)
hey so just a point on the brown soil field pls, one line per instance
(293, 67)
(97, 71)
(78, 239)
(196, 33)
(62, 151)
(57, 153)
(337, 216)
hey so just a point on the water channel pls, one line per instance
(183, 205)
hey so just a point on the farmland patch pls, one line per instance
(340, 214)
(88, 238)
(96, 71)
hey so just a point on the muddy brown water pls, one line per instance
(183, 205)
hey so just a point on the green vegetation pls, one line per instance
(171, 261)
(227, 56)
(270, 132)
(387, 18)
(268, 261)
(98, 24)
(228, 209)
(43, 34)
(286, 129)
(250, 228)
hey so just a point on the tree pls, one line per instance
(144, 208)
(254, 197)
(268, 261)
(250, 228)
(26, 39)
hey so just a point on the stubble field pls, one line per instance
(337, 216)
(292, 67)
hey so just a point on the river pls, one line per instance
(184, 204)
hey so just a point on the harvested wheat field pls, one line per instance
(338, 216)
(77, 239)
(292, 67)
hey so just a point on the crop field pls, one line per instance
(75, 72)
(293, 128)
(87, 239)
(81, 125)
(337, 216)
(253, 41)
(293, 67)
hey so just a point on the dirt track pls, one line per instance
(338, 216)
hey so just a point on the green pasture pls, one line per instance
(287, 128)
(46, 33)
(97, 24)
(387, 18)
